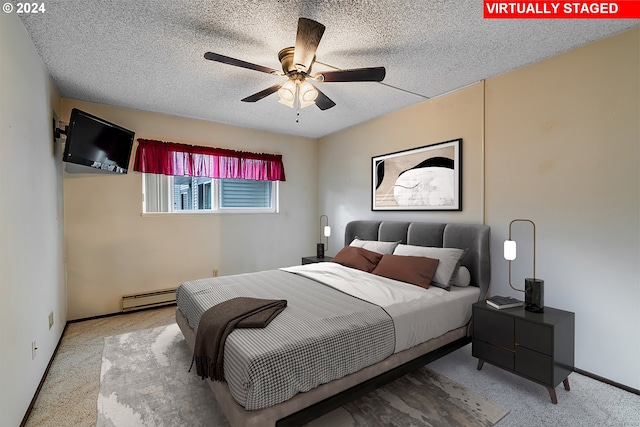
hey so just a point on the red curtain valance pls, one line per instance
(170, 158)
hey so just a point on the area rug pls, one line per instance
(144, 381)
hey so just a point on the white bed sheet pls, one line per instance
(418, 314)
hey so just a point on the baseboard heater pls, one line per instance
(149, 299)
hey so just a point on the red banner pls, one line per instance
(623, 9)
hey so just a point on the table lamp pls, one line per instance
(533, 287)
(326, 232)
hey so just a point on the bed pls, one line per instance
(332, 344)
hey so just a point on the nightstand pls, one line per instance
(314, 259)
(536, 346)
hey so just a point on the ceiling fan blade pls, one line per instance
(323, 101)
(307, 40)
(373, 74)
(262, 94)
(239, 63)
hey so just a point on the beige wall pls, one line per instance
(344, 159)
(561, 147)
(31, 262)
(112, 250)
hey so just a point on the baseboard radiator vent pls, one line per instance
(149, 299)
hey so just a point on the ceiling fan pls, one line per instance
(296, 62)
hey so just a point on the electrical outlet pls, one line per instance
(215, 272)
(50, 320)
(33, 350)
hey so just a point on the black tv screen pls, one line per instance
(97, 143)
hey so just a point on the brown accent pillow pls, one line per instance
(359, 258)
(410, 269)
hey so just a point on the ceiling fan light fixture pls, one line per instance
(287, 93)
(307, 94)
(304, 91)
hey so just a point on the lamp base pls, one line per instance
(320, 250)
(534, 295)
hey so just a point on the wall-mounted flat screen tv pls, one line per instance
(97, 143)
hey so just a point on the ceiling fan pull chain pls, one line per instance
(297, 101)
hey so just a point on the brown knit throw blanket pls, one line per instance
(219, 321)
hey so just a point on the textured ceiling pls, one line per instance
(148, 54)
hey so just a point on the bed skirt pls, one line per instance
(240, 417)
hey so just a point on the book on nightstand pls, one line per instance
(503, 302)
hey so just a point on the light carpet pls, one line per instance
(144, 381)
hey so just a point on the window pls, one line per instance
(179, 194)
(188, 178)
(190, 193)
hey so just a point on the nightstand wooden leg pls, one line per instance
(552, 394)
(480, 363)
(566, 384)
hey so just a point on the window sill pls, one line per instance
(219, 212)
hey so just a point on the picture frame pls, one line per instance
(427, 178)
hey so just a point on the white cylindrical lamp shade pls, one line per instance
(509, 250)
(327, 231)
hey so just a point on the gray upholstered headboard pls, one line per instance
(472, 237)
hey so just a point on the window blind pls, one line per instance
(242, 193)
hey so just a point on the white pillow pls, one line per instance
(449, 261)
(462, 277)
(375, 246)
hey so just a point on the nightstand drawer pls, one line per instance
(493, 354)
(534, 365)
(494, 328)
(534, 336)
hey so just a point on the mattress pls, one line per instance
(418, 314)
(324, 333)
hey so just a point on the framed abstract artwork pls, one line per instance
(426, 178)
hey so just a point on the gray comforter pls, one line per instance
(322, 335)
